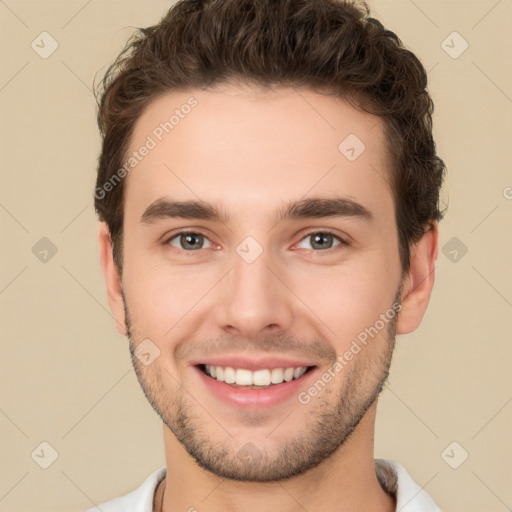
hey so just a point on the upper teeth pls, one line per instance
(244, 377)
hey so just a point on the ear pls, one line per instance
(112, 278)
(418, 282)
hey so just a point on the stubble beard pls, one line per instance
(327, 425)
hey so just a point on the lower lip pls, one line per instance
(255, 398)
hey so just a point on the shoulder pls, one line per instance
(138, 500)
(395, 480)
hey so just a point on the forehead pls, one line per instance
(247, 151)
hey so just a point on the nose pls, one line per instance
(254, 299)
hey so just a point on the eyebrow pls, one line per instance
(164, 208)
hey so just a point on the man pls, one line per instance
(268, 192)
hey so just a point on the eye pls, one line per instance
(188, 241)
(323, 240)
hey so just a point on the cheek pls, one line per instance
(347, 299)
(161, 296)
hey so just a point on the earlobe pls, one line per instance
(112, 278)
(419, 281)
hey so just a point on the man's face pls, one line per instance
(253, 289)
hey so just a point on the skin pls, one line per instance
(248, 152)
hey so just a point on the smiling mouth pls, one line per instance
(259, 379)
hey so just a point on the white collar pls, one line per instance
(392, 476)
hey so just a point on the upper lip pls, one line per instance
(253, 363)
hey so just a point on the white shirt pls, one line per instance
(410, 497)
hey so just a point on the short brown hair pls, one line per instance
(328, 46)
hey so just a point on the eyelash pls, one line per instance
(324, 232)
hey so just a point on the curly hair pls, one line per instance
(329, 46)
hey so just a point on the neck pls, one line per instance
(345, 481)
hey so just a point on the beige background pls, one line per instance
(66, 377)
